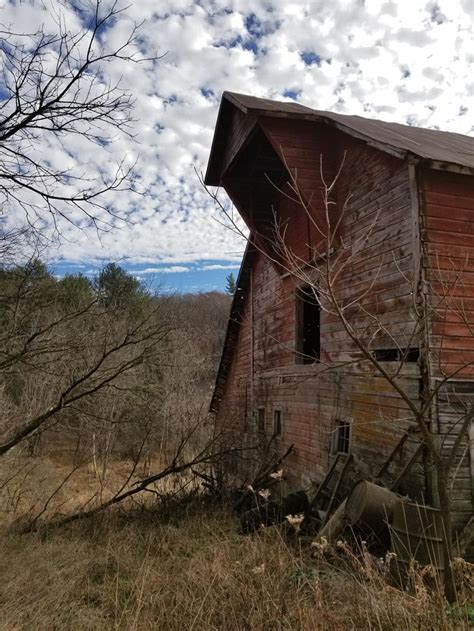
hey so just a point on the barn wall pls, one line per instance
(376, 230)
(447, 210)
(308, 151)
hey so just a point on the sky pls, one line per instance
(409, 61)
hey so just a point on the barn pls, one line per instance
(354, 309)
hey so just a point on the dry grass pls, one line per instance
(182, 565)
(186, 567)
(50, 486)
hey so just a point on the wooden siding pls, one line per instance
(305, 149)
(314, 397)
(448, 215)
(447, 208)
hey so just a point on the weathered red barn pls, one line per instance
(402, 217)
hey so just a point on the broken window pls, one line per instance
(261, 420)
(397, 354)
(342, 437)
(277, 422)
(308, 326)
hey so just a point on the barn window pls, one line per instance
(308, 325)
(277, 423)
(342, 438)
(410, 355)
(261, 420)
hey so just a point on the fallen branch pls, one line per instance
(205, 456)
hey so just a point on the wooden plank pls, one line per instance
(348, 461)
(398, 447)
(406, 469)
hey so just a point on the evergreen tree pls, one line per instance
(230, 284)
(115, 287)
(75, 290)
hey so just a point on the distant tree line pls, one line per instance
(101, 366)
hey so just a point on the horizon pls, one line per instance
(181, 279)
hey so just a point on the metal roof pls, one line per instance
(444, 148)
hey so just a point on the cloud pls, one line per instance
(368, 58)
(174, 269)
(218, 266)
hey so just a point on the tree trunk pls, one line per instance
(445, 507)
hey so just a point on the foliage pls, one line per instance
(116, 288)
(95, 371)
(231, 285)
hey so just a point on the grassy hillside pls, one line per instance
(185, 566)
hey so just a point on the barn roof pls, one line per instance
(441, 147)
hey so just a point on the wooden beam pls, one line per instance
(407, 468)
(336, 488)
(392, 455)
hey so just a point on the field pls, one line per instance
(181, 563)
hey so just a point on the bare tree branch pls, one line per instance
(56, 88)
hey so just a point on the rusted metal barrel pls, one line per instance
(370, 505)
(417, 532)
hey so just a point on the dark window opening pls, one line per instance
(277, 425)
(261, 420)
(410, 355)
(308, 326)
(342, 438)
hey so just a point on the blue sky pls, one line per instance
(208, 276)
(405, 62)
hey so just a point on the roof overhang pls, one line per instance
(433, 148)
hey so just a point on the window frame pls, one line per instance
(261, 420)
(342, 436)
(277, 411)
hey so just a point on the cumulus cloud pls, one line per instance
(351, 56)
(218, 266)
(173, 269)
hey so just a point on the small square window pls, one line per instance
(277, 422)
(342, 438)
(261, 420)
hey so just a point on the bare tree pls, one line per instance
(57, 356)
(101, 376)
(55, 87)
